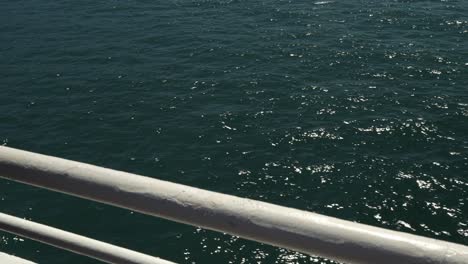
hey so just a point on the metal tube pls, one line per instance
(5, 258)
(75, 243)
(271, 224)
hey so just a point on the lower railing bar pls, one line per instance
(75, 243)
(9, 259)
(275, 225)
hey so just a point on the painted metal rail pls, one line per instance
(75, 243)
(9, 259)
(298, 230)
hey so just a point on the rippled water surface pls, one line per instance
(354, 109)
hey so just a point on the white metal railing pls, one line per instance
(75, 243)
(298, 230)
(9, 259)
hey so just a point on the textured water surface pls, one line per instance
(354, 109)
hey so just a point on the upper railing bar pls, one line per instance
(276, 225)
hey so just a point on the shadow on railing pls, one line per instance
(280, 226)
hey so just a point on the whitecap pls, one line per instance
(323, 2)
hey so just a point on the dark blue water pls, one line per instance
(356, 109)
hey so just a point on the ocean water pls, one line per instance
(356, 109)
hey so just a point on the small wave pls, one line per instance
(323, 2)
